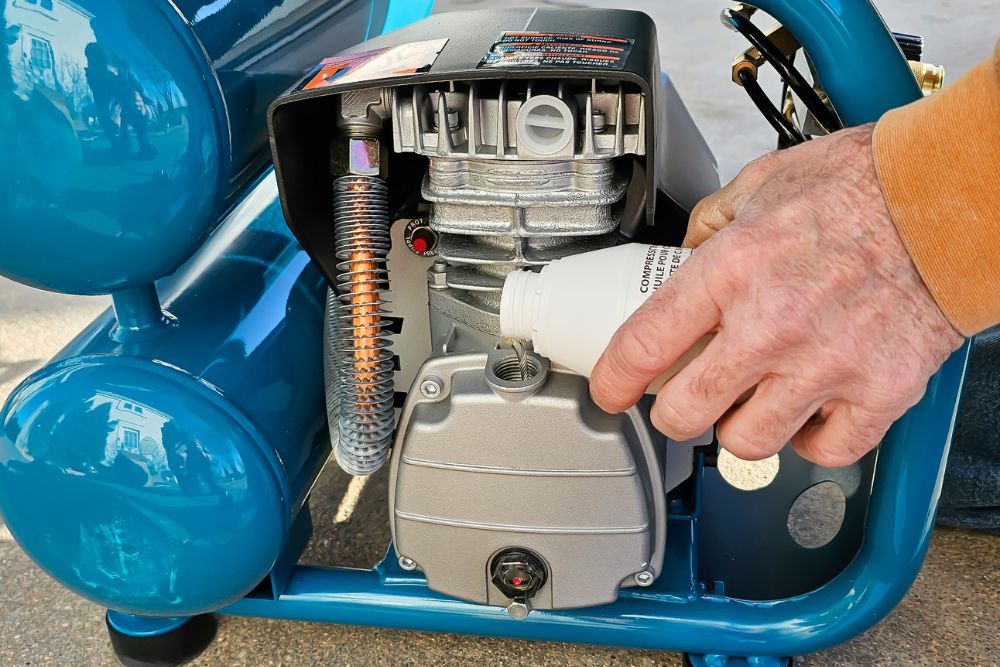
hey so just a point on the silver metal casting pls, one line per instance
(471, 476)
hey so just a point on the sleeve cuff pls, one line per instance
(938, 161)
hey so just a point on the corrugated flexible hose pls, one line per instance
(358, 361)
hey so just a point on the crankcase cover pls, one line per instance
(484, 466)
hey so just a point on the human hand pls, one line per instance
(816, 302)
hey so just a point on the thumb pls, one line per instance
(722, 206)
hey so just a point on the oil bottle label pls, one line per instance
(659, 263)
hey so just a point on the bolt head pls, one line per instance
(431, 387)
(518, 610)
(643, 578)
(407, 564)
(437, 276)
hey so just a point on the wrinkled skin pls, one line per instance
(816, 303)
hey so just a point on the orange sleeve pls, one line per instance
(938, 161)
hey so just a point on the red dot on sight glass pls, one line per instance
(419, 244)
(517, 581)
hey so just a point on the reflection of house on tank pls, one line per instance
(137, 438)
(49, 44)
(49, 38)
(146, 438)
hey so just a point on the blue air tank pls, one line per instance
(161, 475)
(127, 128)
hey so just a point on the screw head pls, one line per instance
(407, 564)
(518, 610)
(431, 387)
(644, 578)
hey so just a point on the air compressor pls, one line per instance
(344, 308)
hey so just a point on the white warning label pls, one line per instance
(557, 50)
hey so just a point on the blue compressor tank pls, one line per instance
(160, 475)
(126, 128)
(159, 464)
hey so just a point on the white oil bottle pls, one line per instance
(572, 307)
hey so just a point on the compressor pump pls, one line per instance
(447, 164)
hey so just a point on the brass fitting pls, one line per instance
(929, 77)
(752, 59)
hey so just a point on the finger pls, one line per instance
(764, 424)
(840, 435)
(679, 313)
(706, 388)
(721, 207)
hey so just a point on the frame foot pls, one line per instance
(141, 641)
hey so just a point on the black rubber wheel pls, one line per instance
(180, 645)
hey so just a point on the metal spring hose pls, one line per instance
(358, 361)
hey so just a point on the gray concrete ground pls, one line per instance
(949, 617)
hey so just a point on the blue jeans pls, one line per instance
(970, 497)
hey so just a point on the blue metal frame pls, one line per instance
(682, 618)
(865, 75)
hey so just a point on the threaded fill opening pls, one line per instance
(509, 369)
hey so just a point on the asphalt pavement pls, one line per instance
(949, 617)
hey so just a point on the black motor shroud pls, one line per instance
(302, 123)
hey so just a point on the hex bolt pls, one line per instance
(431, 387)
(437, 276)
(407, 564)
(518, 609)
(644, 578)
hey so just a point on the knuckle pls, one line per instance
(730, 261)
(886, 397)
(638, 346)
(765, 338)
(862, 434)
(759, 168)
(675, 418)
(711, 381)
(704, 210)
(829, 458)
(808, 384)
(860, 443)
(747, 444)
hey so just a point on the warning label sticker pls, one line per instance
(552, 49)
(395, 61)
